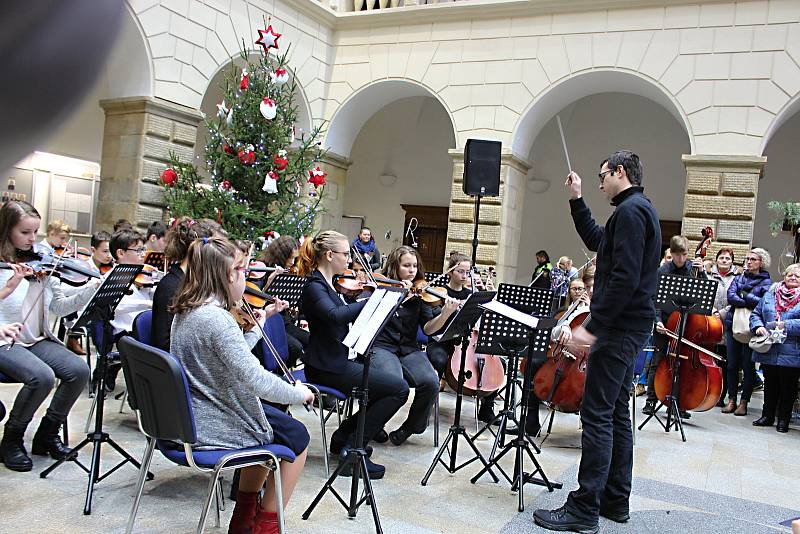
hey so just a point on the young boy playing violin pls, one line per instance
(56, 239)
(31, 353)
(101, 259)
(227, 383)
(396, 350)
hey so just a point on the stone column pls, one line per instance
(500, 223)
(139, 134)
(721, 193)
(333, 200)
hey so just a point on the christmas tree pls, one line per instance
(264, 179)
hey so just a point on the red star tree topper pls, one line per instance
(268, 39)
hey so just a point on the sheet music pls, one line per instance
(363, 318)
(385, 307)
(512, 313)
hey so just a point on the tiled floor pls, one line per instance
(728, 477)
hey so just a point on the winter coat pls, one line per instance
(746, 291)
(786, 354)
(721, 300)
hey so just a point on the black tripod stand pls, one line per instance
(99, 313)
(461, 327)
(684, 295)
(538, 341)
(374, 316)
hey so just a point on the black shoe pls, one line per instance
(721, 402)
(12, 450)
(782, 426)
(562, 519)
(532, 428)
(399, 436)
(338, 442)
(486, 413)
(649, 407)
(758, 386)
(685, 415)
(381, 436)
(764, 421)
(46, 441)
(617, 516)
(376, 471)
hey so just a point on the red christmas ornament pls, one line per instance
(245, 81)
(228, 149)
(268, 39)
(225, 184)
(280, 159)
(317, 177)
(246, 155)
(168, 177)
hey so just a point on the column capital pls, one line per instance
(507, 158)
(724, 163)
(335, 160)
(152, 105)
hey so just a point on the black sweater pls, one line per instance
(628, 254)
(162, 298)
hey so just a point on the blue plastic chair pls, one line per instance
(159, 392)
(142, 327)
(276, 332)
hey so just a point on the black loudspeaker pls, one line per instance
(482, 168)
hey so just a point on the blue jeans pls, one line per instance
(739, 357)
(606, 465)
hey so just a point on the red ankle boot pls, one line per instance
(266, 522)
(244, 513)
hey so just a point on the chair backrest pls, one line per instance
(276, 332)
(157, 382)
(422, 337)
(142, 327)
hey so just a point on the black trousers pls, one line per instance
(659, 348)
(780, 390)
(387, 394)
(607, 459)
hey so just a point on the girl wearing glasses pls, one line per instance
(227, 383)
(328, 362)
(744, 292)
(37, 356)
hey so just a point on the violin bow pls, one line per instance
(365, 264)
(688, 343)
(35, 304)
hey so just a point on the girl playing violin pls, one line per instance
(31, 353)
(227, 383)
(327, 360)
(396, 350)
(177, 241)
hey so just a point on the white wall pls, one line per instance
(780, 182)
(408, 139)
(594, 127)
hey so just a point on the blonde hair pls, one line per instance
(313, 249)
(790, 268)
(391, 270)
(678, 244)
(208, 274)
(57, 226)
(766, 259)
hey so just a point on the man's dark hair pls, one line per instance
(156, 228)
(545, 254)
(122, 224)
(629, 161)
(122, 240)
(98, 238)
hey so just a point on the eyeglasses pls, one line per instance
(756, 258)
(461, 272)
(578, 289)
(140, 250)
(602, 175)
(345, 252)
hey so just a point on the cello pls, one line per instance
(700, 378)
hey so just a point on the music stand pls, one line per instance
(156, 259)
(101, 309)
(440, 278)
(538, 331)
(288, 287)
(501, 336)
(460, 327)
(380, 307)
(685, 295)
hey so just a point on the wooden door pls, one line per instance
(430, 233)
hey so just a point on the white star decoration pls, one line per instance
(268, 39)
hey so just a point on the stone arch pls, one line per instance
(574, 87)
(787, 112)
(354, 112)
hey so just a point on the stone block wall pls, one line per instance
(721, 192)
(140, 133)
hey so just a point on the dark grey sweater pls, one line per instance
(225, 379)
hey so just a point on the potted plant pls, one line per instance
(787, 216)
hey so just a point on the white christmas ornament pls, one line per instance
(222, 110)
(270, 183)
(268, 108)
(279, 77)
(229, 118)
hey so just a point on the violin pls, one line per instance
(255, 297)
(69, 270)
(148, 277)
(700, 377)
(105, 268)
(429, 295)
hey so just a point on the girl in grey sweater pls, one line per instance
(227, 382)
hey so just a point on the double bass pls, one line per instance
(700, 378)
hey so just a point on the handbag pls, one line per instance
(761, 344)
(741, 325)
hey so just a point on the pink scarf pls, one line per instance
(785, 299)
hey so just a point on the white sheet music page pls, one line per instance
(512, 313)
(363, 318)
(387, 304)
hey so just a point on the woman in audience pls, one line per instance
(779, 309)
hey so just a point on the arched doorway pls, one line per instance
(622, 110)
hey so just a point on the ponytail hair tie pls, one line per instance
(205, 240)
